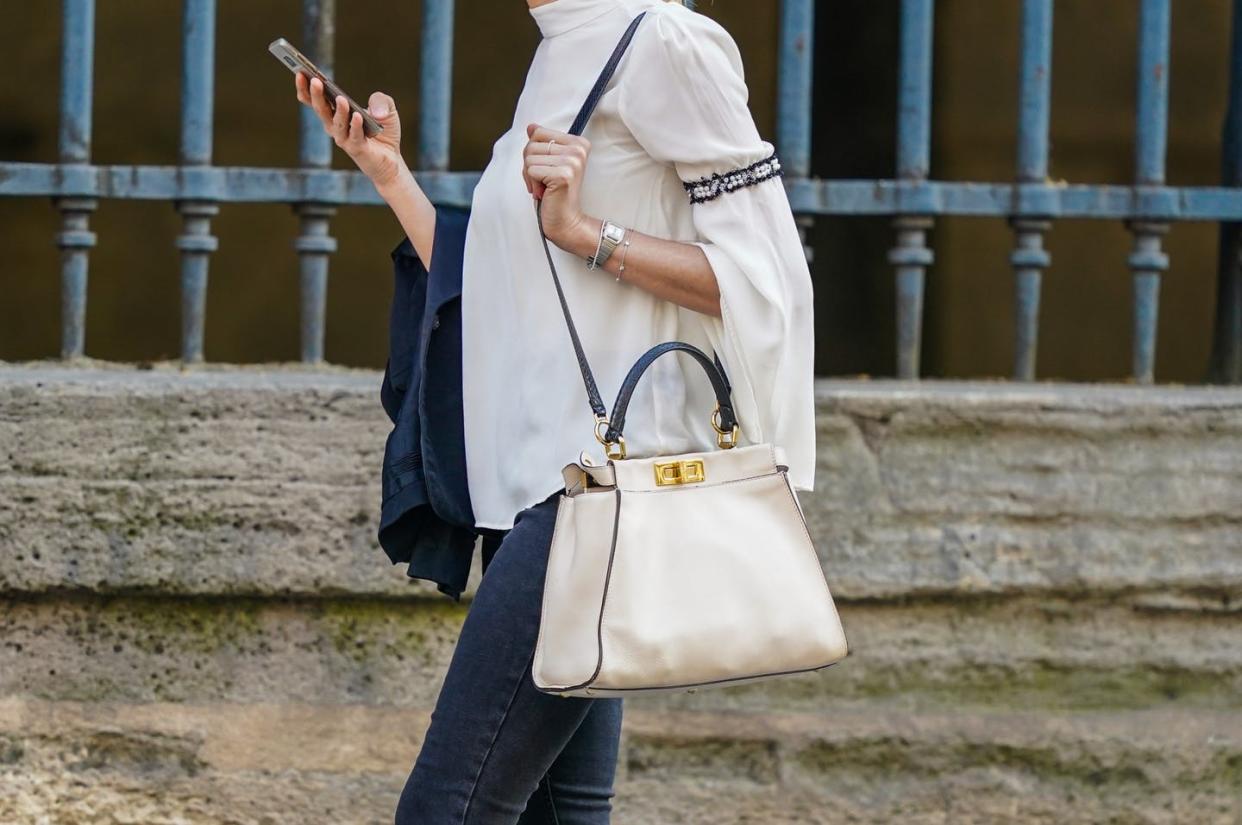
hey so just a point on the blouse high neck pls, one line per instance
(560, 16)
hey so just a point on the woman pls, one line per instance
(708, 253)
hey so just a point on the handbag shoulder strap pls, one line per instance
(580, 122)
(588, 378)
(601, 82)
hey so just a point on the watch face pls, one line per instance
(613, 232)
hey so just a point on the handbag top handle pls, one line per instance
(715, 371)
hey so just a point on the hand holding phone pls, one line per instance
(377, 150)
(295, 61)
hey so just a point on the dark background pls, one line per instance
(252, 313)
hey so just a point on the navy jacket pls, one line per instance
(425, 515)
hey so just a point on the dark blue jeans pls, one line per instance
(498, 751)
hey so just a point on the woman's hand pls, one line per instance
(553, 173)
(378, 157)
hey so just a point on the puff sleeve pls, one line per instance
(684, 98)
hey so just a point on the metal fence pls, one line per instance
(1030, 202)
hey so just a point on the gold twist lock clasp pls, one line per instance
(679, 472)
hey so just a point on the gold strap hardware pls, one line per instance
(679, 472)
(613, 449)
(724, 439)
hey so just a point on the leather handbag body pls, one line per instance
(677, 572)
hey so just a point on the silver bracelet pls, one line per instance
(592, 258)
(625, 249)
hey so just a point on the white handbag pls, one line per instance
(675, 572)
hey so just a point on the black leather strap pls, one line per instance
(597, 403)
(601, 82)
(727, 417)
(580, 122)
(714, 369)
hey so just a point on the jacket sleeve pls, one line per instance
(425, 515)
(407, 315)
(683, 96)
(409, 293)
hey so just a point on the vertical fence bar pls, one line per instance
(314, 244)
(1226, 361)
(198, 64)
(1148, 260)
(75, 239)
(436, 85)
(795, 81)
(1029, 258)
(911, 256)
(795, 78)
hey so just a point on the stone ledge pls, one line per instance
(267, 479)
(980, 654)
(326, 737)
(179, 762)
(229, 537)
(161, 376)
(1034, 394)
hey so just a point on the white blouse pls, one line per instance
(674, 113)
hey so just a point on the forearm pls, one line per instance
(672, 270)
(414, 210)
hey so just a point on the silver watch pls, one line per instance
(610, 236)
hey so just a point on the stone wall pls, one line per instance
(1042, 586)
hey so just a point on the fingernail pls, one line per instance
(381, 110)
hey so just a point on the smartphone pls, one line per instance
(295, 61)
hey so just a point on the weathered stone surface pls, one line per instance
(1042, 588)
(988, 653)
(269, 480)
(181, 762)
(881, 767)
(337, 651)
(194, 537)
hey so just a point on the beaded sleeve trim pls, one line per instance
(713, 186)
